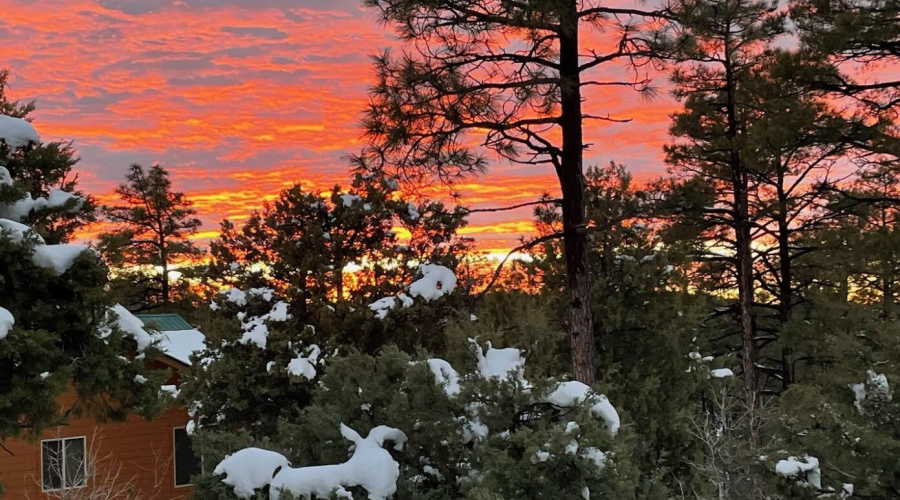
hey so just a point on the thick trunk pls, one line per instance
(571, 179)
(744, 256)
(164, 258)
(785, 288)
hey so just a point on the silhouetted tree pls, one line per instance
(154, 229)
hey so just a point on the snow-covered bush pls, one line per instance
(480, 428)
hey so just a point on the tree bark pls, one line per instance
(571, 179)
(785, 288)
(744, 254)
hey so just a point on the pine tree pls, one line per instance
(155, 225)
(510, 76)
(720, 42)
(864, 32)
(43, 173)
(59, 332)
(641, 288)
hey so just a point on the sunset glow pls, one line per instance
(239, 100)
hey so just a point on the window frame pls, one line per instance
(63, 440)
(175, 459)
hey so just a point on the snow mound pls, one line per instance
(436, 282)
(250, 469)
(382, 306)
(876, 387)
(805, 468)
(180, 344)
(349, 199)
(413, 211)
(6, 322)
(133, 326)
(18, 231)
(255, 329)
(569, 394)
(504, 364)
(17, 132)
(371, 467)
(57, 257)
(305, 366)
(444, 375)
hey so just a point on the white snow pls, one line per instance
(57, 257)
(255, 329)
(349, 199)
(255, 332)
(279, 312)
(180, 344)
(805, 468)
(569, 394)
(596, 456)
(250, 469)
(444, 375)
(436, 282)
(876, 386)
(18, 231)
(721, 373)
(6, 322)
(171, 390)
(140, 379)
(371, 467)
(131, 325)
(382, 306)
(305, 366)
(505, 363)
(17, 132)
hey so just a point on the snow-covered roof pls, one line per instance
(180, 344)
(177, 339)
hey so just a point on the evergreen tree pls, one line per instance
(510, 77)
(155, 225)
(52, 205)
(720, 45)
(864, 32)
(641, 288)
(59, 332)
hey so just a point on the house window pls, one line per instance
(186, 463)
(63, 463)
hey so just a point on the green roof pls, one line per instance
(165, 322)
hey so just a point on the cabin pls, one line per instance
(135, 458)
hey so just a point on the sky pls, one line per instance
(239, 99)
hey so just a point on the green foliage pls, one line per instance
(65, 336)
(440, 460)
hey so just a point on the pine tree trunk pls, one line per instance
(744, 254)
(571, 179)
(164, 258)
(785, 288)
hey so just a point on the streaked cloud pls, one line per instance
(239, 99)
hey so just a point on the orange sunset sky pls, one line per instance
(241, 98)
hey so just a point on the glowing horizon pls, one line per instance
(239, 100)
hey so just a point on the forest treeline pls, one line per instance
(740, 312)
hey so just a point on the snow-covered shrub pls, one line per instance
(485, 428)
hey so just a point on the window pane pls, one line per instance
(75, 462)
(186, 463)
(51, 464)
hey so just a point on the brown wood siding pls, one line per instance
(144, 450)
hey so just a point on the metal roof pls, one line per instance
(164, 322)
